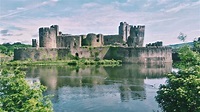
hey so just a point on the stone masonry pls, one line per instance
(127, 46)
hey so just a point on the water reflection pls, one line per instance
(127, 88)
(92, 82)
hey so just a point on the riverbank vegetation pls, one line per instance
(17, 95)
(78, 62)
(181, 93)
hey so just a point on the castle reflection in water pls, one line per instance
(93, 81)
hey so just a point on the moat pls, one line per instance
(126, 88)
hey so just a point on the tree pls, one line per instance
(182, 36)
(3, 49)
(8, 49)
(16, 95)
(197, 45)
(182, 91)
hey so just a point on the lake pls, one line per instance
(126, 88)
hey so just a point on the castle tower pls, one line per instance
(34, 43)
(47, 36)
(56, 27)
(136, 38)
(124, 30)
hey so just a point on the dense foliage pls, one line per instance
(182, 91)
(8, 48)
(17, 95)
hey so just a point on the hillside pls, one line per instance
(176, 46)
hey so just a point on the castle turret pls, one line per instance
(47, 36)
(124, 30)
(34, 43)
(136, 38)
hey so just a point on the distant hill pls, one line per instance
(176, 46)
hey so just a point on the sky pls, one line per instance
(163, 19)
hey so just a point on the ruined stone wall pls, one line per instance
(90, 52)
(93, 40)
(40, 54)
(47, 36)
(136, 38)
(113, 40)
(68, 41)
(140, 54)
(127, 55)
(158, 43)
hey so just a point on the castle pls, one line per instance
(53, 38)
(126, 46)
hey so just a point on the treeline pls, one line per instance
(8, 49)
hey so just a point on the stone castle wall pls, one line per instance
(127, 55)
(113, 39)
(90, 52)
(93, 40)
(55, 45)
(50, 37)
(68, 41)
(140, 54)
(40, 54)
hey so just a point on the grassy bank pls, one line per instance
(80, 62)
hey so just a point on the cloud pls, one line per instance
(160, 20)
(5, 33)
(4, 39)
(19, 10)
(161, 2)
(54, 0)
(9, 33)
(90, 5)
(183, 6)
(177, 8)
(98, 17)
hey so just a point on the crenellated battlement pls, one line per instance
(47, 36)
(136, 38)
(128, 46)
(130, 35)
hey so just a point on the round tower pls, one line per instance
(47, 36)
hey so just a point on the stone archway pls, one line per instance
(76, 54)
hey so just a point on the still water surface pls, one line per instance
(127, 88)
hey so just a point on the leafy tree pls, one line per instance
(3, 49)
(182, 36)
(17, 95)
(182, 91)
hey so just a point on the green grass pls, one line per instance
(80, 62)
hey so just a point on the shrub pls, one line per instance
(17, 95)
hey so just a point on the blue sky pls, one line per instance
(163, 19)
